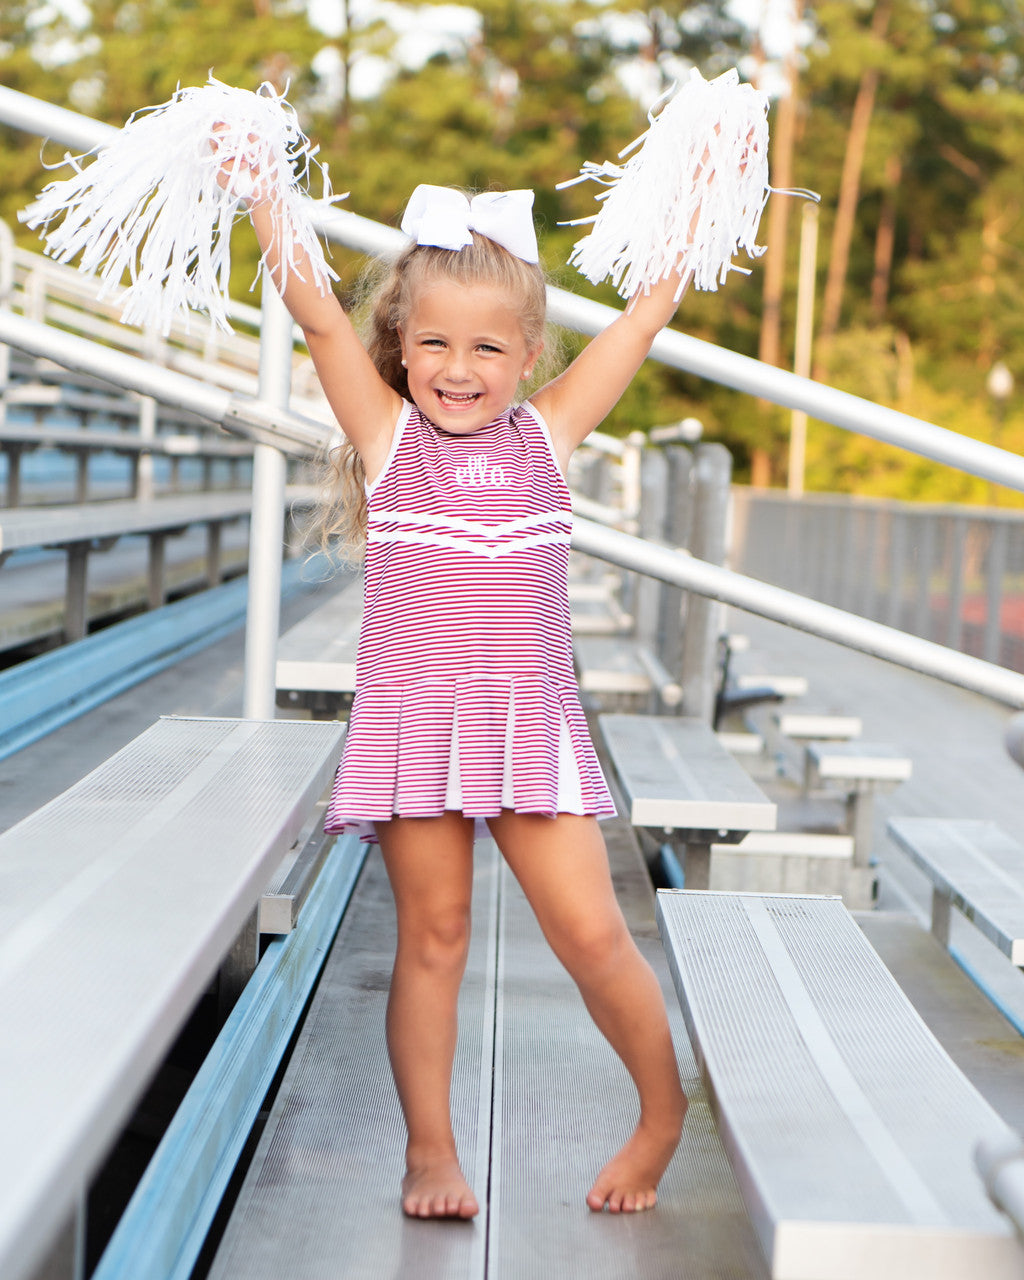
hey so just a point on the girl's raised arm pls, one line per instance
(365, 406)
(579, 399)
(689, 196)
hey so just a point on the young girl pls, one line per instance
(466, 706)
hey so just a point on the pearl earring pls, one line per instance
(405, 363)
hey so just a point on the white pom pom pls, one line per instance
(150, 208)
(689, 198)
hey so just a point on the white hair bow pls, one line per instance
(443, 217)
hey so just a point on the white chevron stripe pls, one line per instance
(491, 551)
(498, 529)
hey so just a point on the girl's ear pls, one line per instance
(531, 359)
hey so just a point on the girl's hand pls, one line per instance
(236, 174)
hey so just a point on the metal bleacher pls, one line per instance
(537, 1098)
(283, 1155)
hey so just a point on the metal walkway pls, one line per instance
(539, 1102)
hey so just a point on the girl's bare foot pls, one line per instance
(629, 1181)
(437, 1189)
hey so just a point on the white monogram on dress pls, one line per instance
(477, 471)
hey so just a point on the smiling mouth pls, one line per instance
(457, 400)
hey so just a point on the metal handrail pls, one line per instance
(1001, 1165)
(257, 420)
(263, 422)
(6, 291)
(678, 350)
(823, 620)
(743, 373)
(290, 432)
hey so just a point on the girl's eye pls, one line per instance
(488, 349)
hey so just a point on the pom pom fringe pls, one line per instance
(689, 198)
(150, 208)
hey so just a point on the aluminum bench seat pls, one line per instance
(37, 414)
(785, 686)
(623, 670)
(859, 770)
(87, 401)
(178, 444)
(814, 725)
(596, 610)
(84, 442)
(791, 732)
(120, 900)
(858, 764)
(677, 779)
(789, 862)
(316, 659)
(741, 742)
(975, 866)
(852, 1132)
(79, 528)
(58, 526)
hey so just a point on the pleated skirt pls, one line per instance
(476, 744)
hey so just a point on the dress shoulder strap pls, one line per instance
(404, 414)
(527, 412)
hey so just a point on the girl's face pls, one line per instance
(465, 354)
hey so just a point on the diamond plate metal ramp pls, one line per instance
(321, 1197)
(564, 1104)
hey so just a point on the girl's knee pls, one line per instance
(435, 940)
(592, 942)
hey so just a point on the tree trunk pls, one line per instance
(885, 239)
(345, 50)
(770, 344)
(849, 185)
(781, 167)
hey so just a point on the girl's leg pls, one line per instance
(429, 862)
(562, 866)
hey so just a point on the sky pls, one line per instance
(425, 30)
(428, 29)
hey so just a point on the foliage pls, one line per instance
(541, 86)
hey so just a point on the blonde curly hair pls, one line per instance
(340, 526)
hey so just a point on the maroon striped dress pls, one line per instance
(465, 693)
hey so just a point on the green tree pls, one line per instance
(925, 242)
(920, 227)
(28, 38)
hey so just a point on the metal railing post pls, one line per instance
(652, 519)
(6, 299)
(995, 574)
(266, 534)
(632, 490)
(847, 558)
(144, 475)
(897, 567)
(678, 519)
(713, 472)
